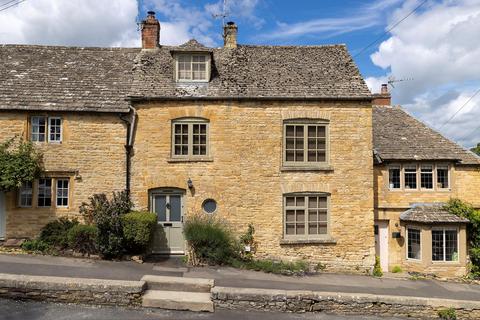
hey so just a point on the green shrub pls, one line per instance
(107, 216)
(210, 240)
(448, 314)
(138, 228)
(377, 269)
(83, 238)
(55, 233)
(36, 245)
(272, 266)
(397, 269)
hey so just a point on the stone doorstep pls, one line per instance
(178, 300)
(12, 243)
(166, 283)
(252, 294)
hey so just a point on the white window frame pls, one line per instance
(443, 229)
(306, 195)
(406, 242)
(57, 180)
(46, 133)
(207, 67)
(50, 126)
(306, 123)
(190, 122)
(21, 190)
(399, 167)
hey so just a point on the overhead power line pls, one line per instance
(10, 4)
(390, 29)
(460, 109)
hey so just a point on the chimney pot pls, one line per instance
(230, 30)
(150, 31)
(383, 98)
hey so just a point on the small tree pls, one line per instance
(19, 162)
(107, 216)
(476, 149)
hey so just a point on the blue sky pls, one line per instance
(436, 47)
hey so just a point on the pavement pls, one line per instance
(230, 277)
(18, 310)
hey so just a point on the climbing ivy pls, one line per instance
(19, 162)
(465, 210)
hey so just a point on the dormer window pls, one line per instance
(193, 67)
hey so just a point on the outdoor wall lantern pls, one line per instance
(190, 183)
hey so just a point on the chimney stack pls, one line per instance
(230, 35)
(150, 31)
(383, 98)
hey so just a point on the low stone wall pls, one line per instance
(72, 290)
(344, 303)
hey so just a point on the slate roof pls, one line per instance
(65, 78)
(430, 213)
(295, 72)
(399, 136)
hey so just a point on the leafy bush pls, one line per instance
(397, 269)
(55, 233)
(377, 269)
(448, 314)
(107, 216)
(465, 210)
(272, 266)
(138, 230)
(210, 240)
(248, 243)
(19, 162)
(83, 238)
(36, 245)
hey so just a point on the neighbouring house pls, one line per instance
(287, 138)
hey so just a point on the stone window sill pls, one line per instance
(306, 168)
(176, 160)
(308, 241)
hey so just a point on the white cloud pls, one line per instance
(71, 22)
(436, 48)
(363, 17)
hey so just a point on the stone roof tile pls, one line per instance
(430, 213)
(398, 136)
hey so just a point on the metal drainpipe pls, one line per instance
(129, 145)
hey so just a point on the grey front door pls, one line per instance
(169, 232)
(2, 215)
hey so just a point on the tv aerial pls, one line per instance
(392, 80)
(223, 14)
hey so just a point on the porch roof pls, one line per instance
(430, 213)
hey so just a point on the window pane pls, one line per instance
(290, 216)
(62, 192)
(312, 228)
(322, 229)
(322, 202)
(322, 216)
(55, 125)
(45, 192)
(442, 177)
(413, 244)
(426, 177)
(410, 178)
(301, 228)
(25, 194)
(160, 208)
(175, 208)
(290, 229)
(312, 216)
(290, 131)
(290, 201)
(38, 125)
(300, 216)
(300, 201)
(437, 245)
(312, 202)
(451, 245)
(394, 178)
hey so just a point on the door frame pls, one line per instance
(383, 243)
(166, 191)
(3, 215)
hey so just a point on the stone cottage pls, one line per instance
(287, 138)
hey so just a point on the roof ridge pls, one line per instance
(38, 46)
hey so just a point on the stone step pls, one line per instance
(166, 283)
(178, 300)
